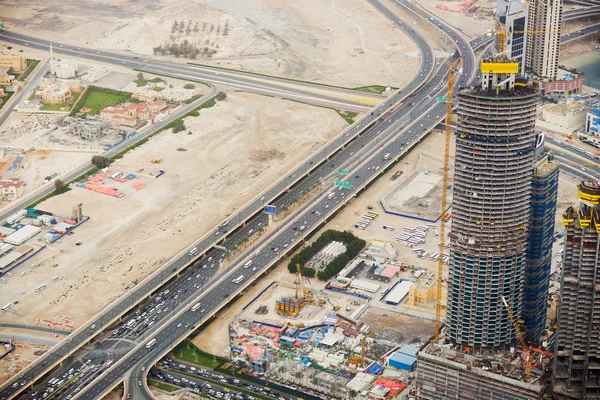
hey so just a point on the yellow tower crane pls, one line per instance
(526, 355)
(445, 179)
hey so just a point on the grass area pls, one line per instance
(31, 64)
(163, 386)
(189, 86)
(58, 107)
(376, 89)
(98, 98)
(32, 96)
(140, 82)
(349, 116)
(5, 99)
(158, 88)
(156, 80)
(186, 351)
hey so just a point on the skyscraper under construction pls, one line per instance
(577, 360)
(491, 198)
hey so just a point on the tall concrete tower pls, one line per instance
(543, 47)
(577, 355)
(541, 237)
(495, 146)
(513, 15)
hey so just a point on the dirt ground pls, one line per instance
(312, 40)
(403, 328)
(228, 155)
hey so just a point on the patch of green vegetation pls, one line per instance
(173, 77)
(4, 99)
(163, 386)
(376, 89)
(32, 96)
(9, 47)
(156, 80)
(186, 351)
(193, 98)
(189, 86)
(58, 107)
(349, 116)
(158, 88)
(31, 64)
(98, 98)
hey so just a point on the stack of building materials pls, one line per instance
(290, 306)
(413, 236)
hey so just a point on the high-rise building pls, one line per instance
(543, 42)
(495, 147)
(541, 237)
(512, 15)
(577, 355)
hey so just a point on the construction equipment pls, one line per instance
(361, 361)
(335, 307)
(445, 179)
(526, 355)
(302, 292)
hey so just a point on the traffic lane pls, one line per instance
(200, 379)
(170, 364)
(171, 333)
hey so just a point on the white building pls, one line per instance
(543, 48)
(564, 117)
(64, 69)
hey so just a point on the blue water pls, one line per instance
(589, 64)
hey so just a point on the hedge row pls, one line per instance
(353, 246)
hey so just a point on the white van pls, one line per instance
(193, 251)
(249, 263)
(238, 279)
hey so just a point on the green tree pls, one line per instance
(221, 96)
(100, 162)
(189, 86)
(59, 185)
(179, 128)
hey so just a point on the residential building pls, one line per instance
(564, 117)
(567, 85)
(127, 114)
(515, 14)
(539, 252)
(17, 63)
(11, 189)
(543, 46)
(577, 354)
(88, 129)
(157, 106)
(57, 91)
(495, 146)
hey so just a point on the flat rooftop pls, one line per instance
(500, 365)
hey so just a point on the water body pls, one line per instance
(589, 64)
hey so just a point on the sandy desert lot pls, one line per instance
(312, 40)
(226, 156)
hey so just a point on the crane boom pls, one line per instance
(520, 337)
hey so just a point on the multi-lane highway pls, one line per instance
(288, 234)
(422, 103)
(118, 308)
(308, 92)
